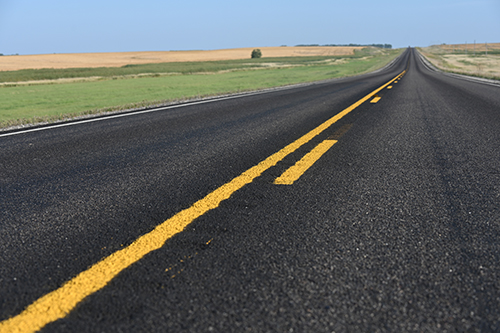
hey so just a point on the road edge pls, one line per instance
(26, 128)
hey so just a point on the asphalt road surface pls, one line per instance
(173, 220)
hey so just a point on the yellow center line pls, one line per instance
(58, 303)
(375, 100)
(298, 169)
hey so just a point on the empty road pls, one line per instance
(363, 204)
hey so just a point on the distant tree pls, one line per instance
(256, 53)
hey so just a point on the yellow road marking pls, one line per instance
(375, 100)
(389, 87)
(58, 303)
(294, 172)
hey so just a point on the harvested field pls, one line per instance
(93, 60)
(469, 47)
(454, 58)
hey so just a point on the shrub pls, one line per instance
(256, 53)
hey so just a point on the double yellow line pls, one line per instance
(58, 303)
(298, 169)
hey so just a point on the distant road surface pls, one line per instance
(363, 204)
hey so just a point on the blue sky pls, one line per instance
(62, 26)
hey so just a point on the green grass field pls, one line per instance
(24, 104)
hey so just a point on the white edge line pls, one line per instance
(133, 113)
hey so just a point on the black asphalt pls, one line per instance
(396, 228)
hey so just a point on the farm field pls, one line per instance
(92, 60)
(100, 90)
(481, 60)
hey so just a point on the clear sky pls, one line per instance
(65, 26)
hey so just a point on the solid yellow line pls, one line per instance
(294, 172)
(58, 303)
(375, 100)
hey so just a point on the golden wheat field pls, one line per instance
(81, 60)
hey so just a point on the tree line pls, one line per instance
(383, 46)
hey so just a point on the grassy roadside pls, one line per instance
(26, 104)
(455, 60)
